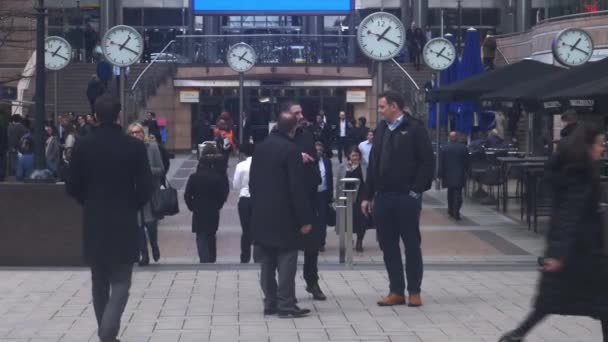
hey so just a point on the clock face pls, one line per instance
(241, 57)
(122, 45)
(439, 54)
(57, 53)
(381, 36)
(573, 47)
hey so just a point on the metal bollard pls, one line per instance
(347, 234)
(341, 225)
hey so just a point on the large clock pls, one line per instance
(573, 47)
(381, 36)
(57, 53)
(439, 54)
(122, 45)
(241, 57)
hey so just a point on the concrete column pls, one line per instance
(211, 25)
(108, 15)
(523, 13)
(420, 15)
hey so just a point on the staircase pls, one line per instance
(395, 79)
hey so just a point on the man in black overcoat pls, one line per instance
(312, 179)
(110, 177)
(454, 164)
(281, 214)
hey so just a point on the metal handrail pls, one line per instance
(136, 83)
(503, 55)
(265, 35)
(572, 16)
(406, 73)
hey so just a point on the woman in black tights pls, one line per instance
(574, 278)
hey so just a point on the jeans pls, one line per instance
(206, 245)
(454, 201)
(245, 218)
(281, 295)
(397, 217)
(111, 284)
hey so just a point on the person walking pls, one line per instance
(453, 168)
(84, 128)
(95, 89)
(281, 215)
(110, 177)
(322, 132)
(15, 132)
(3, 151)
(354, 169)
(342, 135)
(52, 150)
(401, 168)
(574, 275)
(25, 160)
(240, 183)
(312, 179)
(206, 193)
(147, 219)
(325, 193)
(366, 148)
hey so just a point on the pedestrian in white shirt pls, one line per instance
(240, 183)
(365, 148)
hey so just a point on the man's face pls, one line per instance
(387, 111)
(342, 116)
(81, 120)
(319, 119)
(297, 111)
(370, 136)
(320, 151)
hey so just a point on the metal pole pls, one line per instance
(39, 160)
(341, 227)
(55, 99)
(459, 25)
(437, 134)
(442, 24)
(530, 144)
(380, 87)
(241, 107)
(123, 96)
(351, 187)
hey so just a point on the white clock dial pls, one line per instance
(241, 57)
(381, 36)
(439, 54)
(573, 47)
(57, 53)
(122, 45)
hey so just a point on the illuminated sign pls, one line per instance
(284, 6)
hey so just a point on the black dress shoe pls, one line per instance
(316, 292)
(296, 312)
(322, 249)
(155, 253)
(144, 261)
(511, 337)
(270, 311)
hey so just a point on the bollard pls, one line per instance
(341, 226)
(351, 195)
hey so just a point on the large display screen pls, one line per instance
(289, 6)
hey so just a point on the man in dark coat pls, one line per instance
(15, 132)
(343, 134)
(95, 89)
(3, 151)
(325, 193)
(110, 177)
(401, 168)
(153, 128)
(453, 166)
(322, 133)
(281, 214)
(312, 179)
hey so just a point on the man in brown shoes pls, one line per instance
(401, 168)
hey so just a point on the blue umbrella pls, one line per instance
(469, 65)
(447, 77)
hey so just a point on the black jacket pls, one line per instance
(410, 156)
(312, 178)
(329, 178)
(110, 176)
(15, 132)
(453, 165)
(279, 197)
(206, 192)
(576, 237)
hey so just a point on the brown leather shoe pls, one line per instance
(415, 300)
(392, 299)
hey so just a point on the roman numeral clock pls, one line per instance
(381, 36)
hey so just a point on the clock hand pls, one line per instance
(56, 51)
(125, 43)
(572, 47)
(243, 56)
(384, 33)
(390, 41)
(583, 51)
(131, 50)
(440, 53)
(62, 57)
(246, 60)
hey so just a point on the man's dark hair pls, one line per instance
(319, 144)
(107, 108)
(393, 97)
(362, 121)
(287, 122)
(152, 114)
(286, 106)
(247, 149)
(16, 118)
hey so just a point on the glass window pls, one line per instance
(55, 17)
(490, 16)
(163, 17)
(132, 16)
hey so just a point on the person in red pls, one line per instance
(224, 134)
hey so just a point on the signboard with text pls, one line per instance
(266, 6)
(356, 96)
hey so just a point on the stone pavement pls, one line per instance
(200, 305)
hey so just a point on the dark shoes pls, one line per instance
(322, 249)
(359, 246)
(296, 312)
(316, 292)
(144, 261)
(270, 311)
(511, 337)
(155, 253)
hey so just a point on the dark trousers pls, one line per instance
(206, 246)
(322, 203)
(111, 285)
(281, 295)
(537, 316)
(12, 163)
(246, 239)
(152, 229)
(3, 157)
(342, 143)
(311, 267)
(397, 217)
(454, 201)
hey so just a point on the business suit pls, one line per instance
(343, 141)
(453, 166)
(110, 177)
(324, 198)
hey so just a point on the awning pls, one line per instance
(474, 87)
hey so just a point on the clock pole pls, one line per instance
(241, 91)
(437, 134)
(123, 116)
(55, 98)
(380, 87)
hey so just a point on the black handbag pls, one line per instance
(165, 202)
(331, 215)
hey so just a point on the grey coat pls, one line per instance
(158, 169)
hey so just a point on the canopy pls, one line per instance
(531, 93)
(585, 91)
(476, 86)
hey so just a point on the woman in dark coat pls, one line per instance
(574, 279)
(353, 169)
(206, 192)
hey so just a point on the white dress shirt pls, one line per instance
(241, 178)
(323, 186)
(365, 148)
(342, 128)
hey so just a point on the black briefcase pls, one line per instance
(165, 202)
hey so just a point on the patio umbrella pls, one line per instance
(591, 94)
(447, 76)
(469, 65)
